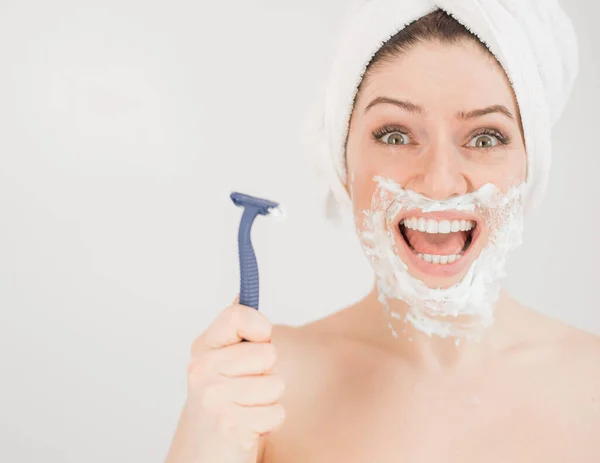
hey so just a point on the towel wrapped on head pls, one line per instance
(533, 40)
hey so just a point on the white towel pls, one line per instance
(533, 40)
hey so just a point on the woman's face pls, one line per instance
(440, 120)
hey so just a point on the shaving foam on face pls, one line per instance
(438, 311)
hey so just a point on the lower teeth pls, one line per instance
(435, 259)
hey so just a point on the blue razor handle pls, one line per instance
(249, 285)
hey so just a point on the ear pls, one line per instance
(349, 181)
(348, 189)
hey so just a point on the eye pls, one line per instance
(396, 138)
(391, 136)
(484, 141)
(488, 138)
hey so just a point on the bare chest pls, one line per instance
(378, 419)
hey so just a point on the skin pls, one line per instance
(441, 155)
(528, 392)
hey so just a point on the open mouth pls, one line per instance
(439, 242)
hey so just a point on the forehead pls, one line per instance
(440, 76)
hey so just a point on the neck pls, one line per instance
(424, 351)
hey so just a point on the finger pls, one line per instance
(235, 323)
(258, 420)
(255, 390)
(264, 418)
(245, 359)
(247, 391)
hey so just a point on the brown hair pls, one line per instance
(435, 26)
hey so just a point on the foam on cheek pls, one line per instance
(435, 310)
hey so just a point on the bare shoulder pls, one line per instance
(578, 349)
(304, 353)
(305, 362)
(576, 370)
(581, 350)
(308, 355)
(566, 346)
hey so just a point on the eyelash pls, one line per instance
(502, 137)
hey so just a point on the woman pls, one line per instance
(441, 154)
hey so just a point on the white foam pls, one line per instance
(278, 213)
(432, 310)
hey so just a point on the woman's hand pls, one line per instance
(232, 391)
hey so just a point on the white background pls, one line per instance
(124, 127)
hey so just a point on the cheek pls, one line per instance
(361, 169)
(517, 166)
(522, 169)
(362, 187)
(512, 172)
(364, 163)
(504, 170)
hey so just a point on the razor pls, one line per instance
(253, 207)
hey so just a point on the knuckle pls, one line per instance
(274, 418)
(198, 370)
(227, 422)
(265, 325)
(212, 396)
(252, 319)
(279, 414)
(198, 366)
(278, 385)
(235, 314)
(269, 353)
(247, 444)
(195, 374)
(197, 345)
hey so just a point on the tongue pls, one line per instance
(442, 244)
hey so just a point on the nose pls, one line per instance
(439, 174)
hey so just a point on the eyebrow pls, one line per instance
(464, 115)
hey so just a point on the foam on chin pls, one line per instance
(435, 311)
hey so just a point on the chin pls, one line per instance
(439, 247)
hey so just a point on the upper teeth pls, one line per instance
(434, 226)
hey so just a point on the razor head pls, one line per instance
(262, 206)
